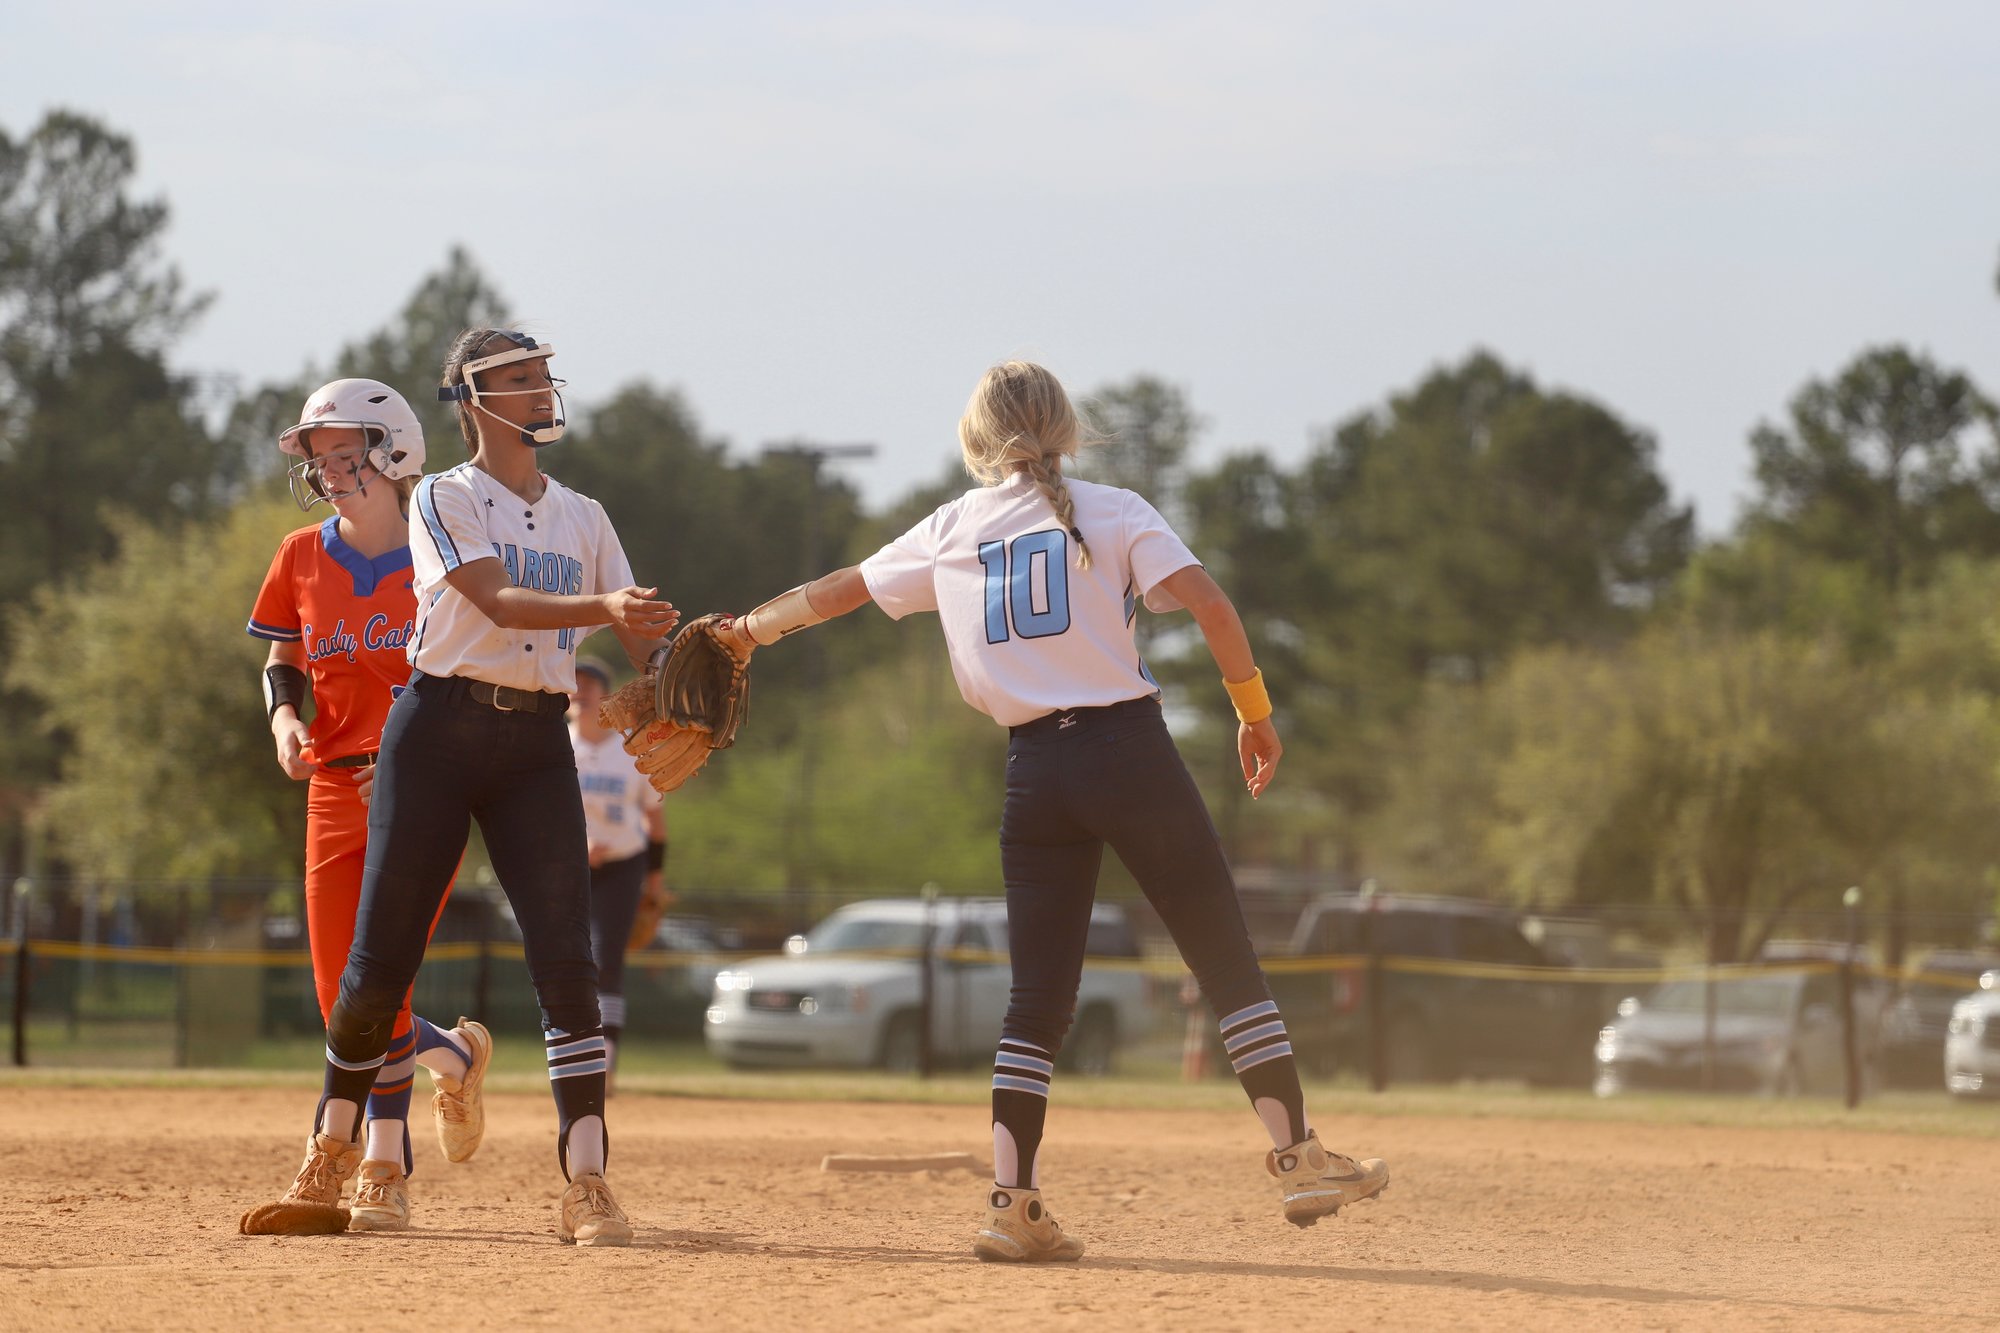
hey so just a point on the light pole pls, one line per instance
(813, 457)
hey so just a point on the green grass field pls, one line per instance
(687, 1070)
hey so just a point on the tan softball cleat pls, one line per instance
(459, 1103)
(1018, 1230)
(590, 1216)
(311, 1207)
(1314, 1183)
(381, 1197)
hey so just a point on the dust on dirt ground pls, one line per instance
(119, 1210)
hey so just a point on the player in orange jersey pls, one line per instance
(339, 611)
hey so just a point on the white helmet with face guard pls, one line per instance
(393, 437)
(521, 348)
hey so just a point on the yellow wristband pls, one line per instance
(1252, 700)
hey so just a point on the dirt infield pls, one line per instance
(120, 1205)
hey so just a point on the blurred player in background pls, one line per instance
(339, 611)
(512, 568)
(1037, 580)
(628, 847)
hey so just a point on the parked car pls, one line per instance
(1436, 1027)
(1914, 1028)
(1777, 1035)
(849, 992)
(1972, 1043)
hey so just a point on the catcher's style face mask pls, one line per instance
(534, 433)
(335, 473)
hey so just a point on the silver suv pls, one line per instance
(849, 992)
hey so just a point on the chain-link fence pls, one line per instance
(1382, 988)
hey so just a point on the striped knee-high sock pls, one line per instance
(1261, 1054)
(1021, 1074)
(440, 1050)
(577, 1063)
(611, 1008)
(389, 1102)
(345, 1089)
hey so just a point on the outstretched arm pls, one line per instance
(1257, 743)
(810, 604)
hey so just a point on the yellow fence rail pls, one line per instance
(1159, 967)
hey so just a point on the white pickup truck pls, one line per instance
(849, 992)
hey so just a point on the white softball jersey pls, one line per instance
(562, 543)
(616, 795)
(1029, 632)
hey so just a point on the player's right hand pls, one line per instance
(638, 610)
(1258, 746)
(289, 734)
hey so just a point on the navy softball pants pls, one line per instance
(615, 890)
(1080, 780)
(447, 760)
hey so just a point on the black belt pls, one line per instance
(503, 698)
(1070, 719)
(349, 761)
(510, 700)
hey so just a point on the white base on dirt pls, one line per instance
(934, 1161)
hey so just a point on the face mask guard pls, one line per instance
(308, 477)
(534, 433)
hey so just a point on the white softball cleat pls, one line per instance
(1314, 1183)
(590, 1215)
(460, 1103)
(1019, 1230)
(311, 1207)
(381, 1198)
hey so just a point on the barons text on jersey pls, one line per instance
(560, 543)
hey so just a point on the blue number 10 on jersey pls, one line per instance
(1028, 573)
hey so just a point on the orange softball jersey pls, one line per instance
(355, 617)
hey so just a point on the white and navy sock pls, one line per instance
(389, 1103)
(577, 1065)
(440, 1050)
(1260, 1051)
(342, 1094)
(611, 1009)
(1021, 1074)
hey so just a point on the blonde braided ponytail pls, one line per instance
(1047, 475)
(1020, 420)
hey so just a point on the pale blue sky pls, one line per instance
(827, 219)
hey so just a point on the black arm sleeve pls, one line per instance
(283, 685)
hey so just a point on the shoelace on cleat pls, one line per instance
(597, 1201)
(316, 1177)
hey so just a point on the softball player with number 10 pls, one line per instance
(1037, 580)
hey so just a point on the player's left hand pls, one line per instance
(364, 784)
(1258, 746)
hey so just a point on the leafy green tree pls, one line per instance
(91, 419)
(1736, 777)
(1889, 466)
(1429, 541)
(1147, 428)
(907, 789)
(142, 663)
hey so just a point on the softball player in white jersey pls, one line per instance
(512, 569)
(1037, 580)
(627, 844)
